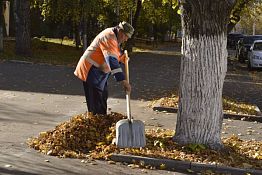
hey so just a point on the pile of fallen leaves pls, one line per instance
(237, 153)
(88, 136)
(78, 136)
(230, 106)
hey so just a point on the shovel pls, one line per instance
(130, 133)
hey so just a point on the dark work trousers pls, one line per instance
(96, 99)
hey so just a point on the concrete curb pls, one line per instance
(182, 166)
(158, 107)
(19, 61)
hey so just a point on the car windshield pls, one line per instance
(250, 39)
(258, 47)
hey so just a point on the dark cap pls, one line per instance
(127, 28)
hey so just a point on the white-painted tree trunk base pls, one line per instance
(202, 74)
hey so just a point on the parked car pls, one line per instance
(244, 46)
(232, 39)
(255, 55)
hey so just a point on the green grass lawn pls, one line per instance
(51, 51)
(48, 51)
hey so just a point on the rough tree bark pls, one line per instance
(22, 23)
(202, 72)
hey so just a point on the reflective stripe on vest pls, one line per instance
(116, 71)
(104, 67)
(92, 62)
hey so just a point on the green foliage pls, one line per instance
(242, 7)
(252, 14)
(196, 147)
(247, 10)
(63, 10)
(158, 17)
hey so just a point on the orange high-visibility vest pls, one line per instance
(105, 44)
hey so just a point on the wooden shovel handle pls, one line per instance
(126, 66)
(128, 107)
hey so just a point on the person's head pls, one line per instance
(125, 31)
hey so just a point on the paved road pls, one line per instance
(36, 98)
(241, 84)
(152, 75)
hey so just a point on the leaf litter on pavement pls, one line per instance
(86, 136)
(230, 106)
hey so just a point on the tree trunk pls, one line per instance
(22, 21)
(84, 35)
(117, 11)
(1, 27)
(254, 27)
(77, 36)
(203, 70)
(130, 42)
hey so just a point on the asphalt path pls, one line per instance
(152, 75)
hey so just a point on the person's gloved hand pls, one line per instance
(123, 58)
(127, 86)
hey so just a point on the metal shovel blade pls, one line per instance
(130, 134)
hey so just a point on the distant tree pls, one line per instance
(130, 43)
(242, 8)
(251, 18)
(202, 72)
(137, 13)
(22, 23)
(88, 17)
(157, 18)
(79, 14)
(1, 27)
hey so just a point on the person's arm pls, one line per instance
(110, 49)
(123, 58)
(117, 72)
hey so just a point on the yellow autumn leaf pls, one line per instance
(162, 166)
(190, 171)
(100, 143)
